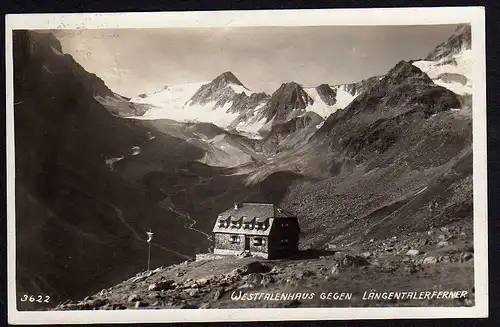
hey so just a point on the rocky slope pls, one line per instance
(286, 135)
(57, 62)
(70, 201)
(435, 260)
(221, 148)
(359, 87)
(401, 149)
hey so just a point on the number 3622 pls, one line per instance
(35, 298)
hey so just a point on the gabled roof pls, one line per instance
(248, 212)
(254, 210)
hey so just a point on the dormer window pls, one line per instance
(222, 223)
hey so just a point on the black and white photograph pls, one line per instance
(276, 161)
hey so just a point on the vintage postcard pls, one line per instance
(246, 165)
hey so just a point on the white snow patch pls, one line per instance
(136, 150)
(239, 89)
(174, 103)
(318, 106)
(343, 99)
(258, 107)
(111, 161)
(320, 125)
(434, 69)
(251, 127)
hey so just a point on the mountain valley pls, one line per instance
(379, 166)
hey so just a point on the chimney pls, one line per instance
(236, 206)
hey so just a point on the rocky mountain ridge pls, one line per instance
(226, 102)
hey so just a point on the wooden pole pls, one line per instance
(150, 237)
(149, 255)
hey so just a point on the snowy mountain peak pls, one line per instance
(227, 78)
(289, 101)
(220, 91)
(450, 63)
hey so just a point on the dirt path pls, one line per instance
(191, 222)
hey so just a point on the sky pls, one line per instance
(135, 61)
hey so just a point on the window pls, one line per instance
(284, 241)
(259, 241)
(258, 225)
(222, 223)
(235, 239)
(284, 225)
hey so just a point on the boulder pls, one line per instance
(430, 260)
(466, 256)
(133, 298)
(253, 278)
(442, 244)
(275, 270)
(266, 280)
(193, 292)
(217, 294)
(413, 252)
(350, 260)
(335, 269)
(202, 281)
(366, 254)
(445, 259)
(411, 268)
(255, 267)
(162, 285)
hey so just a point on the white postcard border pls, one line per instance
(331, 17)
